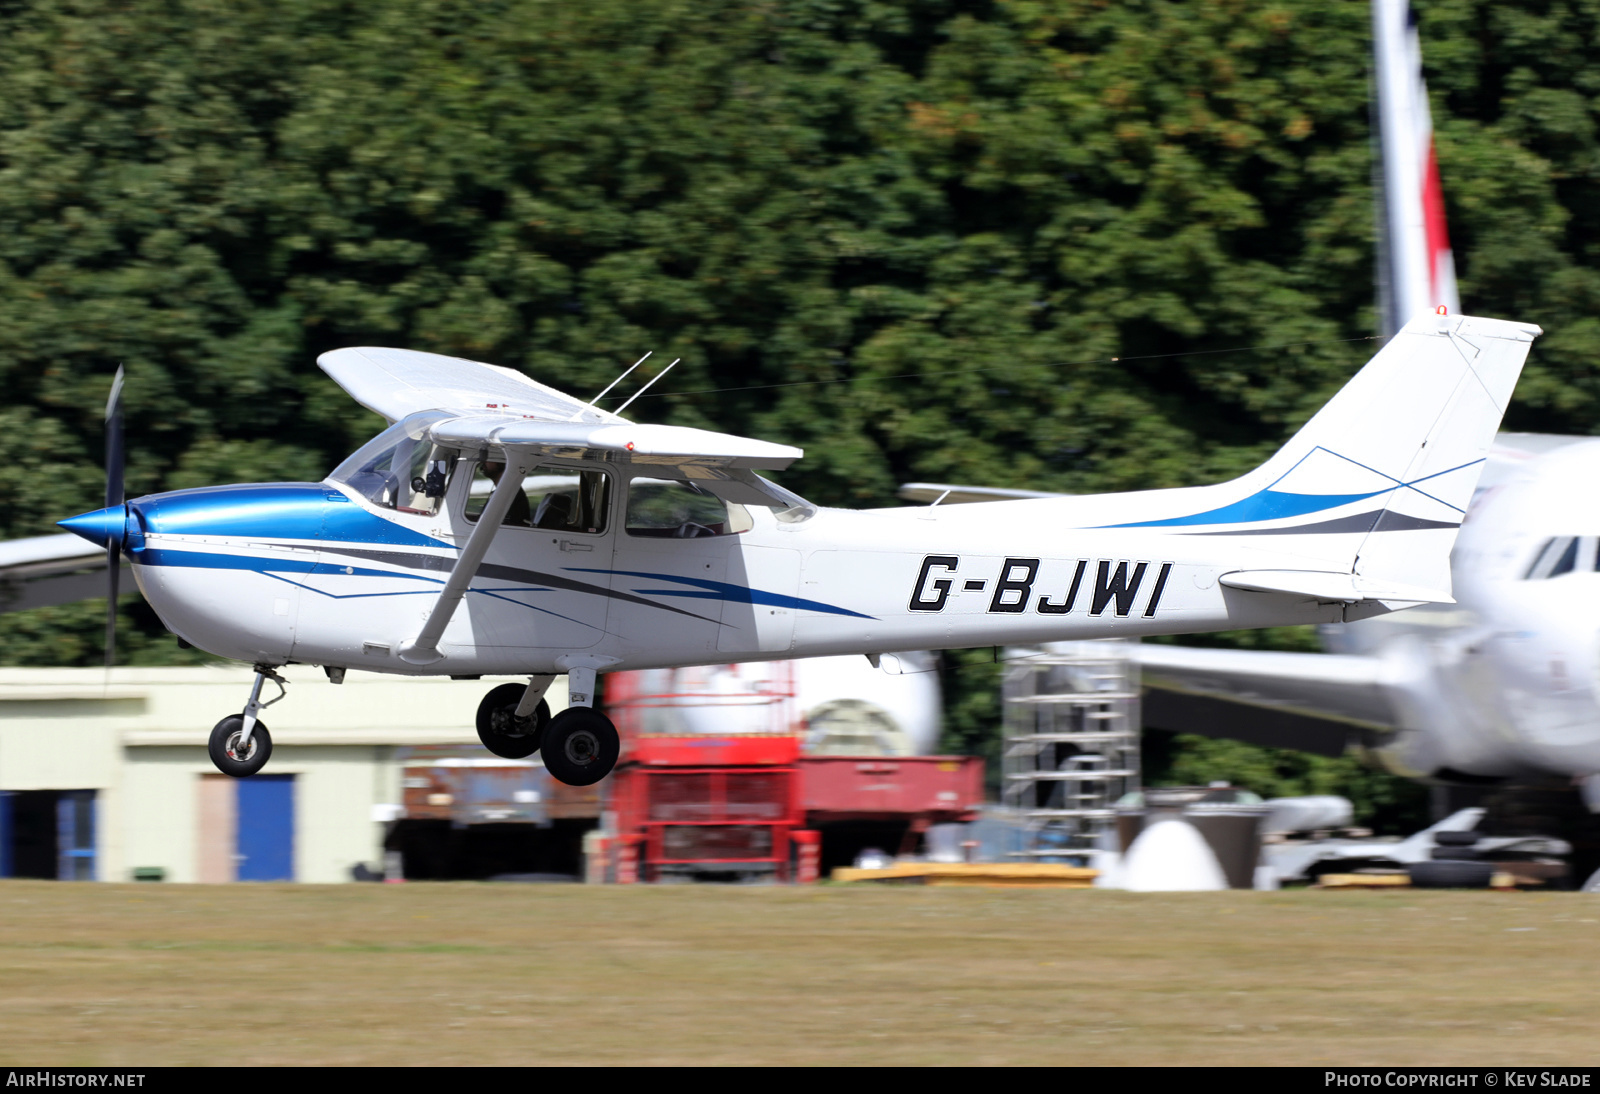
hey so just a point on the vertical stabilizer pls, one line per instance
(1375, 486)
(1411, 540)
(1414, 248)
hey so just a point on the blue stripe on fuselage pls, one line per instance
(207, 560)
(273, 510)
(1263, 505)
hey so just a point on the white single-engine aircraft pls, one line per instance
(605, 544)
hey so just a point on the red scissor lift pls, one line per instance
(698, 804)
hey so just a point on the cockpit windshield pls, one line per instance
(1564, 555)
(400, 468)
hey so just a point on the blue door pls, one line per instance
(75, 835)
(266, 828)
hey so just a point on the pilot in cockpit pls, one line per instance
(520, 514)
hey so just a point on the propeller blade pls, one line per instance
(114, 492)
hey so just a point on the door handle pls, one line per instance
(573, 545)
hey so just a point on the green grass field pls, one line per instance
(524, 974)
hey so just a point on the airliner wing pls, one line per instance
(43, 571)
(1315, 702)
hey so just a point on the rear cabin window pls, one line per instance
(679, 509)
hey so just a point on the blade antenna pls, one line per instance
(590, 404)
(641, 391)
(114, 497)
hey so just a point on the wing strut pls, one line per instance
(424, 649)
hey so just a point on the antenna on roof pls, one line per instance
(641, 391)
(590, 404)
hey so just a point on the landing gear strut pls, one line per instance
(580, 745)
(240, 744)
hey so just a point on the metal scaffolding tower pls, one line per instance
(1071, 743)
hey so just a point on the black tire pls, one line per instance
(580, 746)
(1455, 839)
(223, 736)
(502, 732)
(1455, 854)
(1448, 874)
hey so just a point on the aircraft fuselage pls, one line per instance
(1507, 681)
(313, 573)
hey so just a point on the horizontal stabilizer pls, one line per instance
(951, 494)
(1332, 587)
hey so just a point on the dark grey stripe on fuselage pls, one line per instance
(1360, 522)
(444, 564)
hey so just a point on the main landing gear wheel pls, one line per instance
(580, 746)
(502, 732)
(229, 757)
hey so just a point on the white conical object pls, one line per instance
(1171, 856)
(1109, 863)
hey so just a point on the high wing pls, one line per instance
(398, 383)
(471, 405)
(619, 441)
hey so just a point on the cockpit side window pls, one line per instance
(400, 468)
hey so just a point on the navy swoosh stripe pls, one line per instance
(439, 563)
(728, 592)
(161, 556)
(155, 556)
(710, 590)
(497, 594)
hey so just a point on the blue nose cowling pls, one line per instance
(105, 527)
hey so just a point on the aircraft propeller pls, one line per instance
(114, 497)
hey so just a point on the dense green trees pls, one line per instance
(1065, 244)
(957, 232)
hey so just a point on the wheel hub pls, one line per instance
(233, 747)
(505, 721)
(582, 748)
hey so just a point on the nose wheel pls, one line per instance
(240, 745)
(580, 746)
(502, 731)
(234, 753)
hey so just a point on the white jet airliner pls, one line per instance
(1502, 685)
